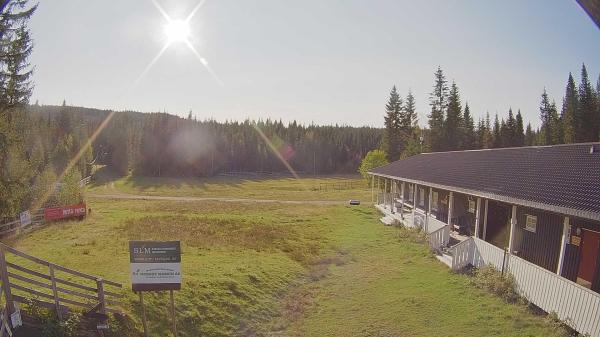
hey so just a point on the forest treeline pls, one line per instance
(451, 126)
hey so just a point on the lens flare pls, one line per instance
(177, 31)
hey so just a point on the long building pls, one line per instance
(533, 212)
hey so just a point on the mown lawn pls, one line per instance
(321, 188)
(256, 269)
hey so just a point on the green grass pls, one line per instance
(256, 269)
(322, 188)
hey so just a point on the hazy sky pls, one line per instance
(322, 61)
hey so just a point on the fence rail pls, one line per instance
(28, 279)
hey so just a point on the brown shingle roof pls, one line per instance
(560, 178)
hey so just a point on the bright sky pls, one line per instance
(322, 61)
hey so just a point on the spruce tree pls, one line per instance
(519, 132)
(571, 123)
(408, 125)
(496, 136)
(529, 136)
(15, 89)
(469, 129)
(453, 125)
(590, 120)
(438, 100)
(392, 122)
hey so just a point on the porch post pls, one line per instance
(402, 199)
(372, 188)
(513, 226)
(378, 189)
(385, 192)
(450, 206)
(563, 245)
(392, 196)
(428, 211)
(477, 216)
(485, 213)
(414, 204)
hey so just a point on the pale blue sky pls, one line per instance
(322, 61)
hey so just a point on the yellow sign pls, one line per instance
(575, 240)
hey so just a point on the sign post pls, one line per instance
(155, 266)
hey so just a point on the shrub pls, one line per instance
(489, 278)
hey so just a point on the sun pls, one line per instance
(177, 31)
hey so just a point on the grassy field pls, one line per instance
(330, 188)
(270, 269)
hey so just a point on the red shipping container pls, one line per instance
(65, 212)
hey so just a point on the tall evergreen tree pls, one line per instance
(496, 136)
(529, 136)
(469, 129)
(571, 123)
(588, 112)
(519, 132)
(550, 130)
(438, 100)
(392, 122)
(15, 89)
(408, 126)
(454, 122)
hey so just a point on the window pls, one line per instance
(410, 192)
(530, 223)
(434, 201)
(422, 197)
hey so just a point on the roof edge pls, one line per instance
(498, 197)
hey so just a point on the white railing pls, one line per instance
(578, 306)
(486, 253)
(462, 254)
(434, 224)
(573, 303)
(439, 238)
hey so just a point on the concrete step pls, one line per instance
(445, 258)
(387, 220)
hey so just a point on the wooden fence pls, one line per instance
(15, 225)
(29, 280)
(578, 306)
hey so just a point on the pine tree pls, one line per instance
(590, 119)
(15, 89)
(469, 129)
(488, 138)
(408, 126)
(571, 123)
(550, 130)
(391, 138)
(438, 102)
(529, 136)
(519, 132)
(496, 135)
(454, 123)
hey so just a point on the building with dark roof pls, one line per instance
(534, 211)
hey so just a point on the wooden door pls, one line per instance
(589, 255)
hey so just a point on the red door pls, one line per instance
(589, 254)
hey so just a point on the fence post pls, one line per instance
(10, 305)
(101, 300)
(55, 291)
